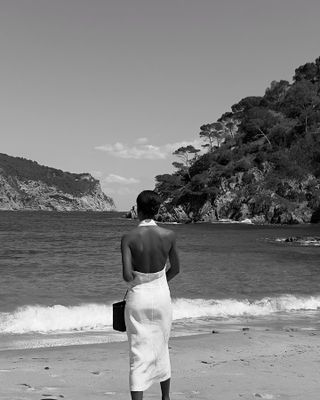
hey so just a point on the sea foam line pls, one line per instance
(98, 317)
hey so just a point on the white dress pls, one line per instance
(148, 316)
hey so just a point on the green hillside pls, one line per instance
(27, 170)
(261, 159)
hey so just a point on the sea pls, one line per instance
(61, 272)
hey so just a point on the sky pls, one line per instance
(113, 87)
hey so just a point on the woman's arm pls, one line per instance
(174, 260)
(127, 271)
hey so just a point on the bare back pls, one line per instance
(146, 249)
(150, 247)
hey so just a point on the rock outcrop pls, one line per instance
(133, 214)
(26, 185)
(300, 240)
(243, 201)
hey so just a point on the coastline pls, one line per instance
(246, 364)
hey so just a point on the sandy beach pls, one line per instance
(245, 364)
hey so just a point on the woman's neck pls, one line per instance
(143, 217)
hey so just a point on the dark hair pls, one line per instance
(148, 203)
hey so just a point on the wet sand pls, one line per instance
(246, 364)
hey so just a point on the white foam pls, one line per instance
(98, 317)
(57, 318)
(225, 308)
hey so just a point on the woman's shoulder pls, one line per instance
(131, 234)
(167, 232)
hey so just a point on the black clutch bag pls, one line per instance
(118, 322)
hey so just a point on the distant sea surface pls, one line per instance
(61, 272)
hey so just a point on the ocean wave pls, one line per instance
(98, 317)
(226, 308)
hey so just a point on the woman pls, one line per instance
(148, 314)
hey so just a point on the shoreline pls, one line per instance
(308, 321)
(246, 364)
(190, 317)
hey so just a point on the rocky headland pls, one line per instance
(239, 201)
(26, 185)
(254, 202)
(259, 162)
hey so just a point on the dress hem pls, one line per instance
(142, 389)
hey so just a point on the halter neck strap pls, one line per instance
(147, 222)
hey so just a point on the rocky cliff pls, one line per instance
(248, 197)
(26, 185)
(255, 202)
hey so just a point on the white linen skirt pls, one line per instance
(148, 316)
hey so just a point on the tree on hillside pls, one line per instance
(230, 124)
(258, 123)
(231, 128)
(212, 134)
(308, 71)
(168, 184)
(245, 104)
(188, 155)
(276, 92)
(303, 102)
(207, 136)
(282, 133)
